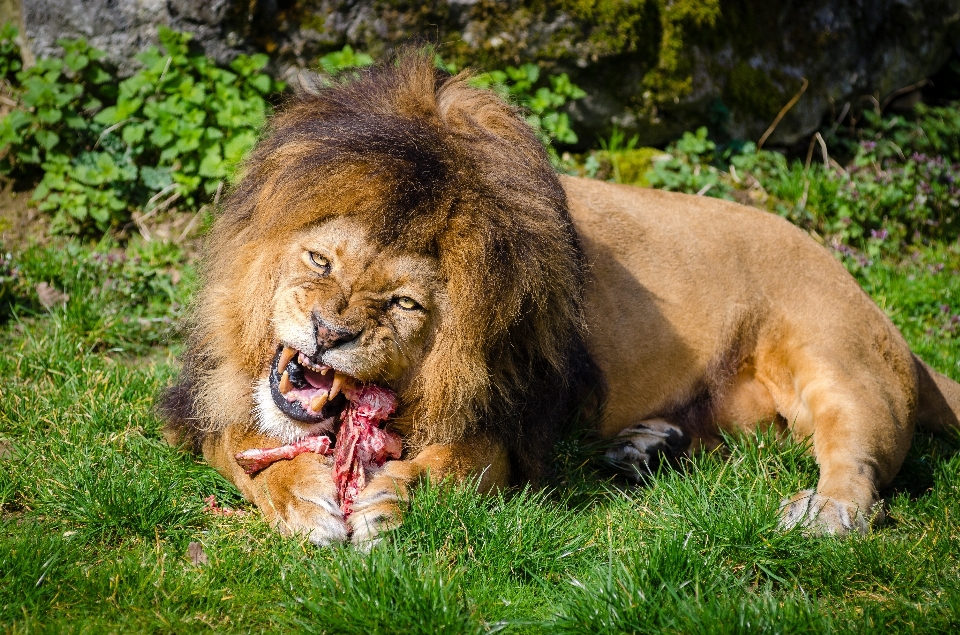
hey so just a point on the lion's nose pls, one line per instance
(329, 336)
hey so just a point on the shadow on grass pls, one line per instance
(918, 473)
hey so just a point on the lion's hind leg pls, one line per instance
(640, 449)
(860, 414)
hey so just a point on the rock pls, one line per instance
(658, 68)
(654, 67)
(123, 28)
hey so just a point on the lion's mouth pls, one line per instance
(304, 390)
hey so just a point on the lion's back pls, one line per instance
(679, 283)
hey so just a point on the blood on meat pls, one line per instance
(361, 443)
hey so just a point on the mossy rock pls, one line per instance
(655, 68)
(659, 67)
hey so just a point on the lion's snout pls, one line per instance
(329, 336)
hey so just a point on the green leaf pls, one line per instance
(260, 82)
(108, 116)
(47, 139)
(100, 213)
(49, 115)
(236, 149)
(76, 61)
(212, 166)
(155, 179)
(133, 133)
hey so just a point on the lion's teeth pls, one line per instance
(323, 370)
(285, 357)
(337, 384)
(318, 402)
(285, 385)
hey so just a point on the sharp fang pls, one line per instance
(285, 385)
(323, 371)
(318, 402)
(285, 357)
(338, 380)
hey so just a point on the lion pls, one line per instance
(407, 230)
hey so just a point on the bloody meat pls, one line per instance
(361, 443)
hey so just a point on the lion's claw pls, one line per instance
(823, 516)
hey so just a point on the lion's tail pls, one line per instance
(939, 409)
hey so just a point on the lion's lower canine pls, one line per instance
(407, 230)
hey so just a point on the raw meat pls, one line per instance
(361, 443)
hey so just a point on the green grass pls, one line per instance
(98, 513)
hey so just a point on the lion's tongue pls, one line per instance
(318, 385)
(315, 379)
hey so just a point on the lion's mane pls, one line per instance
(434, 166)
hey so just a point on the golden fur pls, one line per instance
(685, 315)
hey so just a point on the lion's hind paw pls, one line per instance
(639, 450)
(824, 516)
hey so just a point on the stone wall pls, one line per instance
(655, 67)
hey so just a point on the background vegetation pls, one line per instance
(106, 529)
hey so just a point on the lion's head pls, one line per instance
(402, 228)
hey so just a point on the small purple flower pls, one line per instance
(879, 235)
(869, 145)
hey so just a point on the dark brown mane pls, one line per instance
(434, 166)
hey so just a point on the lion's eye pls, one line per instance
(317, 262)
(407, 303)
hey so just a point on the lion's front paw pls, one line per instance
(376, 510)
(822, 516)
(301, 498)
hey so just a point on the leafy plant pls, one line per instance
(887, 196)
(929, 130)
(10, 61)
(619, 160)
(689, 168)
(540, 97)
(51, 127)
(171, 133)
(343, 60)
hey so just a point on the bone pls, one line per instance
(257, 459)
(285, 385)
(319, 402)
(285, 357)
